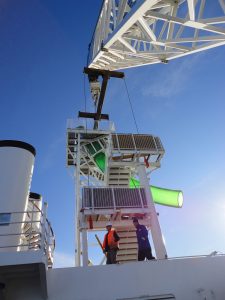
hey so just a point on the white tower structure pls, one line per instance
(105, 163)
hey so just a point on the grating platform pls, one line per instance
(137, 142)
(115, 198)
(123, 146)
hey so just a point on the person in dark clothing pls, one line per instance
(110, 245)
(144, 248)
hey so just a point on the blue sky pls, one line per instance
(43, 51)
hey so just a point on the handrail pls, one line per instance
(49, 224)
(20, 212)
(53, 236)
(28, 231)
(80, 126)
(15, 246)
(30, 222)
(12, 234)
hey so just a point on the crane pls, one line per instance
(132, 33)
(112, 170)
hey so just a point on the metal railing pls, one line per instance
(28, 231)
(113, 198)
(137, 142)
(83, 125)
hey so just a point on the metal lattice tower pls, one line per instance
(132, 33)
(104, 163)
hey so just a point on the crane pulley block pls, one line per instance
(98, 92)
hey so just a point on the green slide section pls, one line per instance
(100, 161)
(99, 158)
(173, 198)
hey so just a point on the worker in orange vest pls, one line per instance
(110, 245)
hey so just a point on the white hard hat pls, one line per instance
(108, 224)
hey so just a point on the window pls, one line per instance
(5, 219)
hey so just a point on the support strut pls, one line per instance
(93, 75)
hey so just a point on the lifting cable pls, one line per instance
(131, 106)
(85, 100)
(85, 109)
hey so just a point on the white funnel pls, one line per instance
(16, 168)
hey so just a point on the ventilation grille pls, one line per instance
(113, 198)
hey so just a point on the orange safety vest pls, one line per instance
(111, 240)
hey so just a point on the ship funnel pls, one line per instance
(16, 169)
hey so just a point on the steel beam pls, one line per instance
(144, 26)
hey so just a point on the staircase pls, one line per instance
(119, 176)
(32, 237)
(127, 244)
(36, 234)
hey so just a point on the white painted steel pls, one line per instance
(35, 205)
(84, 247)
(86, 172)
(196, 278)
(77, 206)
(141, 32)
(16, 169)
(157, 237)
(99, 197)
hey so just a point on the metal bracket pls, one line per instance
(93, 75)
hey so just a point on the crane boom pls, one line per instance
(131, 33)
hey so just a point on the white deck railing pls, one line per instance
(27, 231)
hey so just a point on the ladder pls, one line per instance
(128, 246)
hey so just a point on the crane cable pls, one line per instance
(131, 106)
(85, 101)
(85, 109)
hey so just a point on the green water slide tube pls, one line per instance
(173, 198)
